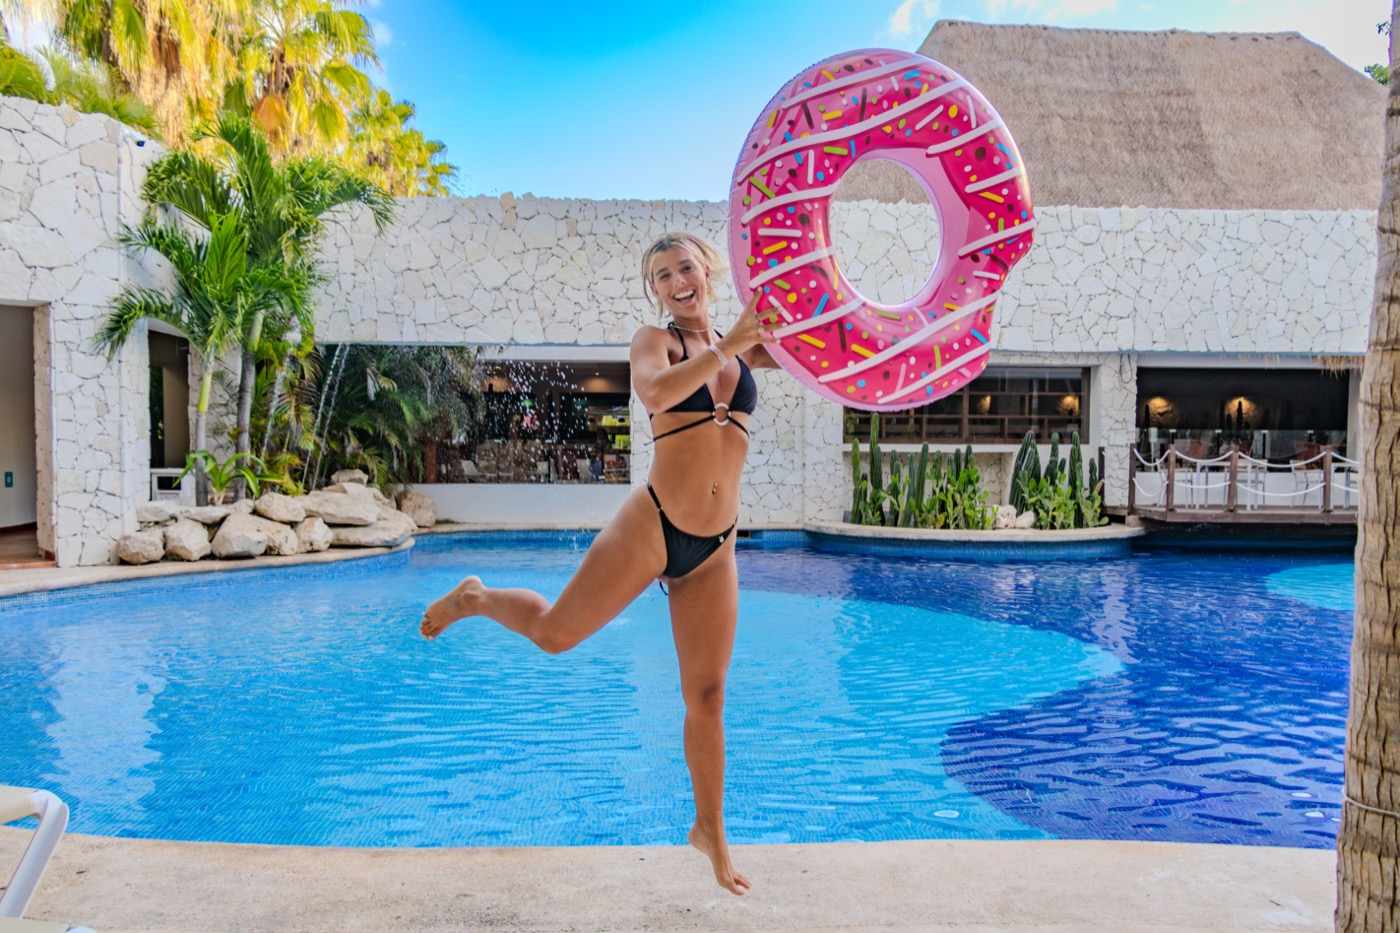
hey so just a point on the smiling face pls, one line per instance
(681, 282)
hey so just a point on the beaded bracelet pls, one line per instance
(719, 355)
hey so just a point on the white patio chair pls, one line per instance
(17, 803)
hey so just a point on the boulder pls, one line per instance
(1025, 520)
(208, 514)
(281, 540)
(313, 535)
(387, 513)
(358, 489)
(350, 476)
(141, 547)
(186, 539)
(340, 508)
(155, 513)
(242, 507)
(418, 507)
(279, 508)
(392, 529)
(1006, 516)
(240, 536)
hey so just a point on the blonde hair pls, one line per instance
(700, 250)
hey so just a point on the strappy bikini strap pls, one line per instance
(685, 427)
(685, 354)
(656, 500)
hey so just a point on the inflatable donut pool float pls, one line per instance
(878, 103)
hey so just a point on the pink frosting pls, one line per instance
(878, 103)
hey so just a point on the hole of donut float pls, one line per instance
(885, 230)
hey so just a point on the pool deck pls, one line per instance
(123, 886)
(15, 582)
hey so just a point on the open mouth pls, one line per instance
(684, 297)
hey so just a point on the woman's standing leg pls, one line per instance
(704, 612)
(623, 560)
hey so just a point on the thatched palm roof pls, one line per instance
(1169, 119)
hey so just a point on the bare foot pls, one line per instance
(456, 605)
(718, 852)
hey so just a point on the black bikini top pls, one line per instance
(744, 399)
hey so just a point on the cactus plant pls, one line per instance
(1052, 464)
(1018, 471)
(877, 485)
(857, 484)
(1076, 478)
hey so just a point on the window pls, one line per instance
(999, 407)
(1276, 414)
(553, 423)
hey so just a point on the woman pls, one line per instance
(679, 528)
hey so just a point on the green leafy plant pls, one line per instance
(221, 475)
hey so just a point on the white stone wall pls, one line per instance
(67, 182)
(1102, 286)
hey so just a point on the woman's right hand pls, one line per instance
(753, 327)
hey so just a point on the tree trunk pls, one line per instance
(279, 379)
(247, 381)
(1368, 844)
(201, 419)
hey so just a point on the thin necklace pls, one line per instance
(688, 330)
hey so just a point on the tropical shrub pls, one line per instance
(222, 475)
(925, 491)
(1059, 496)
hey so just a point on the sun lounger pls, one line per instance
(16, 803)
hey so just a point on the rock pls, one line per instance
(242, 507)
(358, 489)
(1025, 520)
(207, 514)
(387, 513)
(281, 540)
(279, 508)
(341, 508)
(240, 536)
(418, 507)
(1006, 516)
(155, 513)
(186, 540)
(350, 476)
(141, 547)
(313, 535)
(392, 529)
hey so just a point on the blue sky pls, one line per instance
(651, 99)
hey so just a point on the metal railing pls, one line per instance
(1235, 481)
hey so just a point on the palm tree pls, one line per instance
(177, 56)
(280, 210)
(1368, 845)
(384, 149)
(216, 290)
(300, 62)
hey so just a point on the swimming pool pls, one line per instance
(1165, 695)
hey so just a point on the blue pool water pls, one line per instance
(1163, 695)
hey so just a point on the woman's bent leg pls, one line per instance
(626, 556)
(704, 611)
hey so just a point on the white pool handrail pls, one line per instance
(16, 803)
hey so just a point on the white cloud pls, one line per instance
(913, 16)
(1049, 11)
(383, 35)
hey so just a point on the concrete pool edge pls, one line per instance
(48, 579)
(128, 885)
(1108, 541)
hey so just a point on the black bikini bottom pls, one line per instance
(685, 551)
